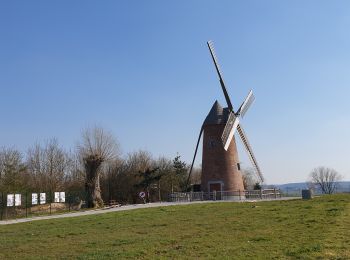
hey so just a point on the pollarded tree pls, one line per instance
(97, 147)
(326, 178)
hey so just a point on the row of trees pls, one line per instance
(96, 168)
(44, 167)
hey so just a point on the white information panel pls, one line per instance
(34, 198)
(62, 196)
(57, 197)
(18, 200)
(10, 200)
(42, 198)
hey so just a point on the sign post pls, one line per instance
(142, 195)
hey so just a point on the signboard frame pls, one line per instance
(42, 198)
(10, 200)
(34, 198)
(18, 200)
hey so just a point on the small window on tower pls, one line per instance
(211, 143)
(238, 166)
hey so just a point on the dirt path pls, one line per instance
(122, 208)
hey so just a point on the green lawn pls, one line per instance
(319, 228)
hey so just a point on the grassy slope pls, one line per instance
(277, 229)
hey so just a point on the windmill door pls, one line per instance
(215, 190)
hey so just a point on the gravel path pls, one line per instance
(122, 208)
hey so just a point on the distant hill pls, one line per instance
(290, 188)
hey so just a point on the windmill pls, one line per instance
(220, 163)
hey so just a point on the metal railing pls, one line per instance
(237, 195)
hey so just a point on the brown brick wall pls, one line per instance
(218, 164)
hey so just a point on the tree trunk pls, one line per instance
(92, 184)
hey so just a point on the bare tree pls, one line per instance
(97, 147)
(196, 175)
(249, 178)
(326, 178)
(75, 176)
(12, 170)
(165, 168)
(110, 179)
(135, 162)
(48, 165)
(139, 161)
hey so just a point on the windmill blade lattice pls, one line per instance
(222, 83)
(229, 130)
(246, 104)
(250, 152)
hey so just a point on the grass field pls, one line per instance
(319, 228)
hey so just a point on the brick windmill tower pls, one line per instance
(220, 163)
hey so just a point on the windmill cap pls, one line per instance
(217, 115)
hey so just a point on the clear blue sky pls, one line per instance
(142, 70)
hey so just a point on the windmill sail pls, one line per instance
(229, 130)
(213, 55)
(246, 104)
(249, 152)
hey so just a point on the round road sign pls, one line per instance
(142, 194)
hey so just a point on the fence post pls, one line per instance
(261, 194)
(2, 205)
(26, 203)
(50, 198)
(14, 205)
(274, 190)
(5, 207)
(69, 201)
(214, 195)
